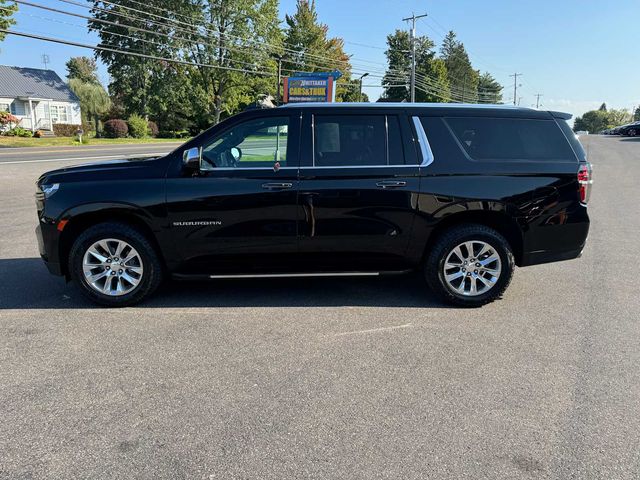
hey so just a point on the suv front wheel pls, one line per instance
(469, 265)
(114, 265)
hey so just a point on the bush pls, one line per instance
(19, 132)
(7, 119)
(65, 129)
(138, 127)
(115, 128)
(152, 127)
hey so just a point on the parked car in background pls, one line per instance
(462, 193)
(582, 132)
(630, 130)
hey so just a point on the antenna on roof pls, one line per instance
(45, 60)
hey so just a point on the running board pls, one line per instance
(294, 275)
(182, 276)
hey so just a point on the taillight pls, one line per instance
(585, 181)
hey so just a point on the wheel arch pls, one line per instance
(90, 215)
(498, 220)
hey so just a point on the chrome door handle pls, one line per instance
(391, 184)
(277, 186)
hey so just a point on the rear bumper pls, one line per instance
(556, 238)
(536, 258)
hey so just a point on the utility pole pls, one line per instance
(279, 58)
(45, 60)
(515, 86)
(413, 19)
(538, 95)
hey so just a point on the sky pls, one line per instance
(576, 53)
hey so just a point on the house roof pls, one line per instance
(33, 82)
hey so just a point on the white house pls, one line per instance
(38, 97)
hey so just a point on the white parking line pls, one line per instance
(140, 155)
(381, 329)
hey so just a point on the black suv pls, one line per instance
(463, 193)
(630, 130)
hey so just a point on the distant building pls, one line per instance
(39, 98)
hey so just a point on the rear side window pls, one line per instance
(356, 140)
(573, 140)
(511, 139)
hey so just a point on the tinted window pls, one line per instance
(511, 139)
(253, 144)
(395, 150)
(575, 143)
(345, 140)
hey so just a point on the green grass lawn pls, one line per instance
(8, 142)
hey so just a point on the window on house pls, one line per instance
(59, 114)
(4, 107)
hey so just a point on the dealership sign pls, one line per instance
(311, 87)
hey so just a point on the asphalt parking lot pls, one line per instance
(328, 378)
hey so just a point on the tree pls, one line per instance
(463, 79)
(636, 115)
(595, 121)
(603, 107)
(489, 90)
(82, 73)
(94, 100)
(308, 47)
(619, 117)
(83, 68)
(7, 9)
(227, 43)
(432, 84)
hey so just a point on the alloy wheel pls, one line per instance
(112, 267)
(472, 268)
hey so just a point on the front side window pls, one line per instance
(259, 143)
(511, 139)
(4, 107)
(350, 140)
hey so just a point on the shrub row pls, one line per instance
(135, 126)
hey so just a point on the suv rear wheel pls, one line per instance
(469, 265)
(114, 265)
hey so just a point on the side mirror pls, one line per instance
(191, 158)
(236, 153)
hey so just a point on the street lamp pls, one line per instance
(360, 94)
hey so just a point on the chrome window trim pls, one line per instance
(244, 169)
(423, 141)
(360, 166)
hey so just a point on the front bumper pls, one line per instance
(47, 246)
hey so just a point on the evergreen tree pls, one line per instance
(308, 48)
(432, 84)
(463, 79)
(7, 9)
(489, 90)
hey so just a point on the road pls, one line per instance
(328, 378)
(85, 153)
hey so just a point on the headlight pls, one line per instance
(49, 189)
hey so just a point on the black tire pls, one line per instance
(152, 274)
(450, 239)
(632, 132)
